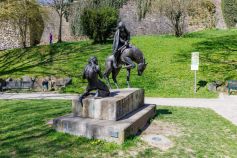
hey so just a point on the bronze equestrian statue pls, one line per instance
(123, 54)
(92, 73)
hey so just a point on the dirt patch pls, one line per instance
(163, 128)
(157, 127)
(158, 141)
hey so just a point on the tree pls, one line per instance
(178, 11)
(142, 8)
(21, 14)
(62, 8)
(78, 7)
(98, 23)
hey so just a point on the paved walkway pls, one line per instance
(225, 106)
(38, 96)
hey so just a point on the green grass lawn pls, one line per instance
(24, 133)
(168, 73)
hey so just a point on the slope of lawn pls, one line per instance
(24, 133)
(168, 73)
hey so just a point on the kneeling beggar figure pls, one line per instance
(92, 73)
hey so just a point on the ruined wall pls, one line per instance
(220, 22)
(152, 24)
(51, 23)
(8, 37)
(156, 24)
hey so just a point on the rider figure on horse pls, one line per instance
(121, 42)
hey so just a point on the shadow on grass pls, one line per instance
(43, 58)
(24, 132)
(201, 84)
(200, 34)
(163, 112)
(218, 56)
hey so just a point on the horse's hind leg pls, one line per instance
(114, 76)
(128, 77)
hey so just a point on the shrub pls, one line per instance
(98, 23)
(78, 7)
(229, 8)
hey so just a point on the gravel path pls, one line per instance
(225, 105)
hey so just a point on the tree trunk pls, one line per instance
(25, 32)
(60, 29)
(178, 27)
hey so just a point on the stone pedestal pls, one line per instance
(112, 119)
(119, 104)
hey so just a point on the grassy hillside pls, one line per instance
(168, 73)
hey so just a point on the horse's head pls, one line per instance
(141, 67)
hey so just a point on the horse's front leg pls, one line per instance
(129, 63)
(128, 77)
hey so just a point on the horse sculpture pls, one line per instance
(127, 58)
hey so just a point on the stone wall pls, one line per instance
(220, 22)
(52, 25)
(152, 24)
(9, 38)
(156, 24)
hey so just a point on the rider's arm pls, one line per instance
(122, 41)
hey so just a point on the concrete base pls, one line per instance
(120, 103)
(108, 130)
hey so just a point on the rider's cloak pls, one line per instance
(120, 38)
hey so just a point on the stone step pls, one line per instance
(120, 103)
(111, 131)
